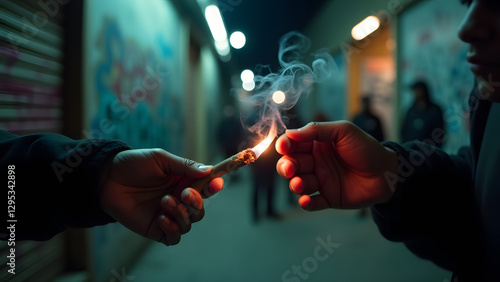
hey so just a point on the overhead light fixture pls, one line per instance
(218, 30)
(215, 23)
(237, 39)
(365, 27)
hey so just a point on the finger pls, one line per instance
(177, 212)
(321, 131)
(304, 185)
(171, 163)
(194, 204)
(213, 187)
(286, 146)
(171, 234)
(313, 203)
(290, 165)
(285, 167)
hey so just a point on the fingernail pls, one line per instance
(213, 189)
(305, 201)
(187, 196)
(204, 167)
(164, 218)
(282, 166)
(297, 190)
(171, 202)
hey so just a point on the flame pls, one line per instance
(264, 144)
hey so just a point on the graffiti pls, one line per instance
(432, 51)
(134, 94)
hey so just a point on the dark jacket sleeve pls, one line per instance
(432, 211)
(56, 182)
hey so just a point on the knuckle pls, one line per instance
(188, 162)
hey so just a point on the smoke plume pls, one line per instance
(295, 78)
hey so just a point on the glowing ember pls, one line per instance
(246, 156)
(262, 146)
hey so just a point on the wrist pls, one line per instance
(390, 175)
(103, 185)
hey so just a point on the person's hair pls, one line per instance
(420, 84)
(366, 100)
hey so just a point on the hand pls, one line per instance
(143, 188)
(338, 160)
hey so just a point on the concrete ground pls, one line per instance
(332, 245)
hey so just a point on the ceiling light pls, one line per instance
(215, 23)
(365, 27)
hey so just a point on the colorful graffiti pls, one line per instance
(431, 50)
(135, 102)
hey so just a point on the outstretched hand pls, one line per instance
(145, 190)
(337, 162)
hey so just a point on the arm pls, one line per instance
(432, 210)
(63, 183)
(56, 181)
(336, 165)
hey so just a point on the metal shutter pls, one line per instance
(30, 66)
(31, 42)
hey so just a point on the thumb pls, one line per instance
(173, 164)
(321, 131)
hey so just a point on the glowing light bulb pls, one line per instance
(365, 27)
(237, 40)
(247, 75)
(279, 97)
(248, 85)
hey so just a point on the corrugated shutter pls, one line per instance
(30, 67)
(31, 42)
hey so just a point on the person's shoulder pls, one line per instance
(436, 107)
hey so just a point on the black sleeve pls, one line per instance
(56, 182)
(432, 211)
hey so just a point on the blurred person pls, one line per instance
(423, 118)
(230, 134)
(56, 183)
(444, 208)
(367, 120)
(263, 173)
(320, 117)
(230, 131)
(369, 123)
(264, 184)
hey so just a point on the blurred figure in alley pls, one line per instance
(230, 134)
(262, 171)
(369, 123)
(367, 120)
(424, 118)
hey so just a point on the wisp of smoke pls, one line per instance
(295, 78)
